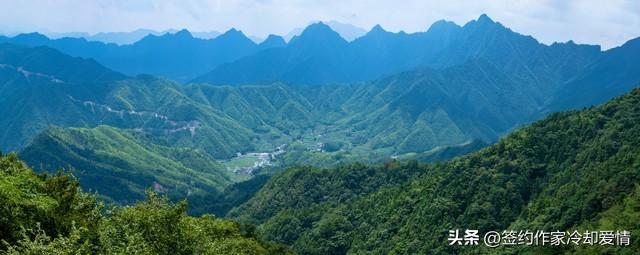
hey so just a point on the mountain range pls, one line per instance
(571, 171)
(178, 56)
(576, 170)
(319, 55)
(131, 37)
(473, 96)
(337, 124)
(347, 31)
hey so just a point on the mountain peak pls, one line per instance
(318, 27)
(234, 34)
(233, 31)
(377, 29)
(32, 36)
(347, 31)
(318, 31)
(442, 25)
(484, 18)
(273, 37)
(272, 41)
(183, 33)
(483, 22)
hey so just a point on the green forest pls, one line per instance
(575, 170)
(383, 143)
(48, 214)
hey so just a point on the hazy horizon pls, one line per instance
(588, 22)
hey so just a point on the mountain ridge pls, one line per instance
(561, 173)
(443, 44)
(178, 55)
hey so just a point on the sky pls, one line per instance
(608, 23)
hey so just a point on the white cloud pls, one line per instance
(609, 23)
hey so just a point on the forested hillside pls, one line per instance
(120, 164)
(577, 170)
(426, 114)
(48, 214)
(380, 143)
(43, 87)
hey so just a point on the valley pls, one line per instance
(318, 145)
(433, 112)
(251, 162)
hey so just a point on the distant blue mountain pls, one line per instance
(616, 72)
(347, 31)
(123, 38)
(120, 38)
(272, 41)
(178, 56)
(320, 55)
(304, 59)
(46, 63)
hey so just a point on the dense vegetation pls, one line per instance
(427, 96)
(120, 165)
(571, 171)
(426, 114)
(48, 214)
(478, 92)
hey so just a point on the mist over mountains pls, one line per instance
(178, 56)
(211, 120)
(131, 37)
(182, 57)
(389, 93)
